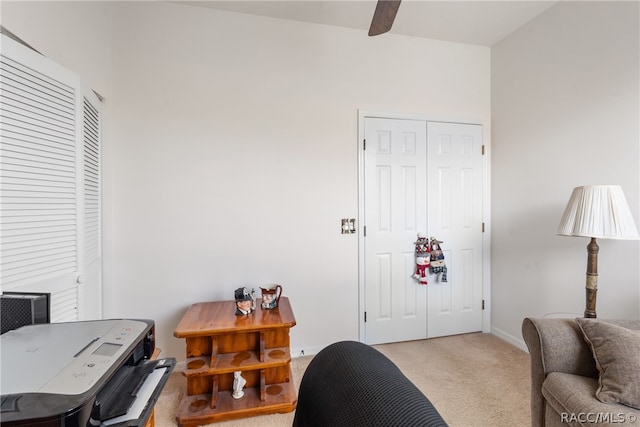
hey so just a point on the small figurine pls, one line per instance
(245, 302)
(238, 385)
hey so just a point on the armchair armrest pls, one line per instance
(555, 345)
(558, 346)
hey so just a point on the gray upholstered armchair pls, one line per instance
(564, 377)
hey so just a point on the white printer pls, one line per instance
(93, 373)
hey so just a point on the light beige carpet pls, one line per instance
(474, 380)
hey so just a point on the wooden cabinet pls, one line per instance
(218, 343)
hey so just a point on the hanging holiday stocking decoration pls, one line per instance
(437, 259)
(423, 259)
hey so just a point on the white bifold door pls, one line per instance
(50, 222)
(421, 176)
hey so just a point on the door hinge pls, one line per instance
(483, 227)
(365, 317)
(364, 144)
(364, 229)
(483, 149)
(483, 304)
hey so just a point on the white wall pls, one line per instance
(230, 149)
(232, 156)
(75, 34)
(235, 156)
(565, 112)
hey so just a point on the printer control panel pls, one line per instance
(93, 360)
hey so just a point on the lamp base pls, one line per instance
(590, 311)
(592, 279)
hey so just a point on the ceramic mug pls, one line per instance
(271, 296)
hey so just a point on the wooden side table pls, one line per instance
(218, 344)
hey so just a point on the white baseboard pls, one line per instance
(516, 341)
(306, 351)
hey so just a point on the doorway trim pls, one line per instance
(486, 209)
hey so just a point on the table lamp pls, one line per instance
(597, 211)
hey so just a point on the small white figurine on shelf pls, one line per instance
(238, 385)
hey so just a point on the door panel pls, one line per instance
(395, 210)
(455, 217)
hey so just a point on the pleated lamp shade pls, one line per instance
(599, 211)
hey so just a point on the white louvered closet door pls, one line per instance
(44, 213)
(91, 287)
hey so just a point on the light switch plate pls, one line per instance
(348, 226)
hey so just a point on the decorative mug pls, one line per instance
(245, 301)
(271, 296)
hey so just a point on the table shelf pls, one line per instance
(196, 410)
(240, 361)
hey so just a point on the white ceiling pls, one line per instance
(477, 22)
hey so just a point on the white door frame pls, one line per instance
(486, 210)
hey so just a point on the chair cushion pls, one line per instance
(570, 393)
(616, 351)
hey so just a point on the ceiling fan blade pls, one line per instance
(383, 16)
